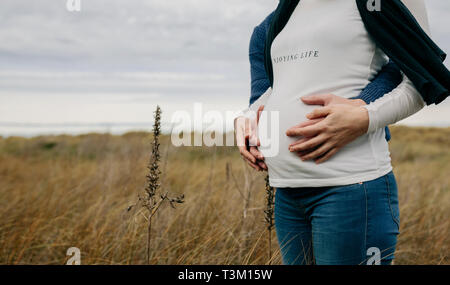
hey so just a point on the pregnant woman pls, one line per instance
(336, 198)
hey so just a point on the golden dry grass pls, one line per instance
(64, 191)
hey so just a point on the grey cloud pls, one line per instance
(143, 34)
(130, 32)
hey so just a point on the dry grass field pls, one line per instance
(58, 192)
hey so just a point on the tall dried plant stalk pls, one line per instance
(153, 198)
(269, 213)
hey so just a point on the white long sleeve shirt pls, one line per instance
(325, 48)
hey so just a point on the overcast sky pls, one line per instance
(116, 59)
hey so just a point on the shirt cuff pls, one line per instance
(373, 118)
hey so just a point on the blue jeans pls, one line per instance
(345, 225)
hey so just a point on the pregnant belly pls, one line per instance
(279, 116)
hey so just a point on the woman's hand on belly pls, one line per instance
(329, 128)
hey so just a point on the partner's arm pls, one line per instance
(259, 79)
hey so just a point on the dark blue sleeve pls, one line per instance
(386, 80)
(259, 79)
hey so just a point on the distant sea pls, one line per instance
(34, 129)
(117, 128)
